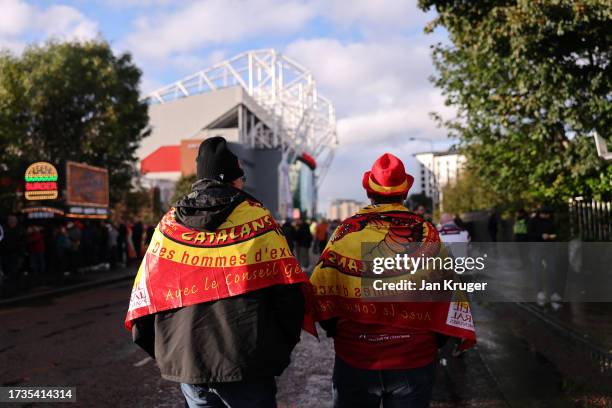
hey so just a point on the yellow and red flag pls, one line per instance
(183, 267)
(343, 281)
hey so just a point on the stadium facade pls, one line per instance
(268, 107)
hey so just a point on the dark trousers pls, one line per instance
(259, 393)
(523, 249)
(544, 268)
(12, 280)
(73, 261)
(321, 245)
(37, 264)
(359, 388)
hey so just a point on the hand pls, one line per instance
(545, 237)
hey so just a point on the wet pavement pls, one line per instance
(79, 340)
(85, 278)
(589, 320)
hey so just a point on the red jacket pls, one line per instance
(382, 347)
(36, 242)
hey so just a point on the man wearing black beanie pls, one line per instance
(240, 309)
(216, 161)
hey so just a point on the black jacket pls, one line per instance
(303, 237)
(233, 339)
(538, 226)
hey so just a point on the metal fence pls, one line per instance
(591, 220)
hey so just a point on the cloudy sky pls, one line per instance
(370, 57)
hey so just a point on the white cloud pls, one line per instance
(148, 84)
(19, 19)
(211, 22)
(14, 46)
(410, 119)
(138, 3)
(14, 17)
(66, 23)
(365, 76)
(381, 89)
(381, 14)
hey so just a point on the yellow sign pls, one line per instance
(41, 182)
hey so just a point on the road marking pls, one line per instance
(143, 362)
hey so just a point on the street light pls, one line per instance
(424, 139)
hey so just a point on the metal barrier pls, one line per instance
(590, 220)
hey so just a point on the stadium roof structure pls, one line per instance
(299, 119)
(164, 159)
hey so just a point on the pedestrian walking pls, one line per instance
(12, 248)
(137, 235)
(130, 249)
(303, 241)
(218, 299)
(289, 233)
(312, 226)
(112, 243)
(519, 229)
(36, 253)
(74, 235)
(88, 244)
(321, 235)
(122, 243)
(385, 353)
(493, 224)
(149, 234)
(542, 233)
(63, 248)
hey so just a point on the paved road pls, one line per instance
(78, 340)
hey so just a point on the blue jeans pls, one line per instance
(359, 388)
(259, 393)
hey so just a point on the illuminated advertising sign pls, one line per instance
(41, 182)
(42, 212)
(86, 185)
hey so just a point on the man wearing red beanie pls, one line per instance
(385, 349)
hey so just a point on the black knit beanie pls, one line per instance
(216, 161)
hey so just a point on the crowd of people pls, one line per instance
(306, 238)
(53, 253)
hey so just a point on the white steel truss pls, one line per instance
(302, 120)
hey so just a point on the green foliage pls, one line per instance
(135, 204)
(468, 193)
(71, 101)
(531, 81)
(182, 188)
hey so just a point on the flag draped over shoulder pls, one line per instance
(342, 279)
(183, 266)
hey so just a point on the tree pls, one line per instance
(132, 204)
(182, 188)
(468, 193)
(71, 101)
(531, 81)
